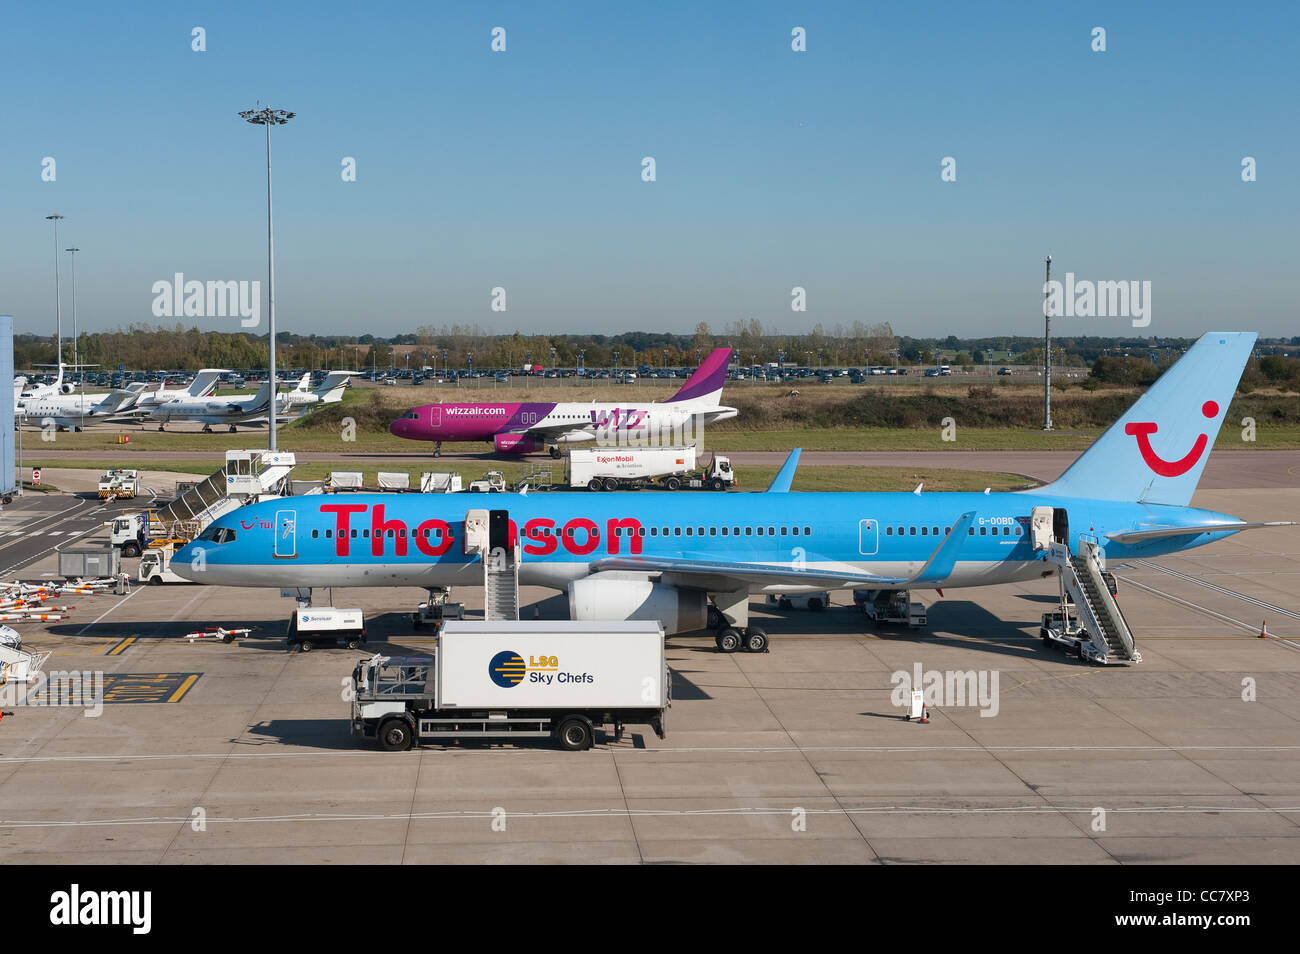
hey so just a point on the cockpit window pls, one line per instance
(413, 415)
(217, 535)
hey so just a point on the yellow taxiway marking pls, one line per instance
(184, 687)
(117, 650)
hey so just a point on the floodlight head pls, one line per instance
(54, 216)
(265, 116)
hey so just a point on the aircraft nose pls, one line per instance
(398, 427)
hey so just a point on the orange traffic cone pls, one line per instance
(1263, 630)
(925, 715)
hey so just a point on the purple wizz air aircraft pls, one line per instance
(522, 428)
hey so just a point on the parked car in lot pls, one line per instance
(1004, 371)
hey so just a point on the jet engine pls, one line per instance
(575, 437)
(517, 444)
(610, 597)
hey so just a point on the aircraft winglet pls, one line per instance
(785, 476)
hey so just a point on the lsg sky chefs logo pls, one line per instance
(1089, 299)
(193, 299)
(507, 669)
(77, 907)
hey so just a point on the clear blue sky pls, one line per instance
(523, 169)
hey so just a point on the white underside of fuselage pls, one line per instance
(558, 575)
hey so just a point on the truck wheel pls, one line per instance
(595, 484)
(395, 735)
(306, 646)
(354, 642)
(574, 734)
(717, 484)
(611, 483)
(755, 641)
(131, 550)
(672, 483)
(728, 640)
(155, 580)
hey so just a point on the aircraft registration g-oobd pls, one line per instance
(662, 555)
(524, 428)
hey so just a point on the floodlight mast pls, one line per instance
(75, 360)
(58, 306)
(265, 116)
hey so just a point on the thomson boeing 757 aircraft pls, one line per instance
(525, 428)
(667, 556)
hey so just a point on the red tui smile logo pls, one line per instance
(1167, 468)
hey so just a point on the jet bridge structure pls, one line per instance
(1088, 620)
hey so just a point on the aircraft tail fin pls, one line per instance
(116, 401)
(1155, 453)
(205, 382)
(704, 387)
(332, 388)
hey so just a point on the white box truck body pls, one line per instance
(516, 679)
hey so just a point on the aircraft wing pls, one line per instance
(1157, 533)
(711, 574)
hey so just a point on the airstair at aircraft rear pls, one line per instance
(1088, 618)
(1099, 618)
(488, 535)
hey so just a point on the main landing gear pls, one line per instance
(729, 618)
(437, 449)
(751, 639)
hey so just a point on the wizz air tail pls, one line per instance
(1156, 451)
(704, 387)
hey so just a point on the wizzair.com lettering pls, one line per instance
(454, 411)
(541, 536)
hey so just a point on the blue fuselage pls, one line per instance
(417, 539)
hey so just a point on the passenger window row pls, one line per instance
(934, 531)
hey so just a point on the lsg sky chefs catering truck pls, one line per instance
(516, 680)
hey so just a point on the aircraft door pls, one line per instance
(286, 535)
(499, 531)
(868, 537)
(435, 415)
(1061, 526)
(1040, 527)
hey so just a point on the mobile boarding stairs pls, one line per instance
(1088, 620)
(488, 534)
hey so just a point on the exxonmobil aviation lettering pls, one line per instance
(433, 537)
